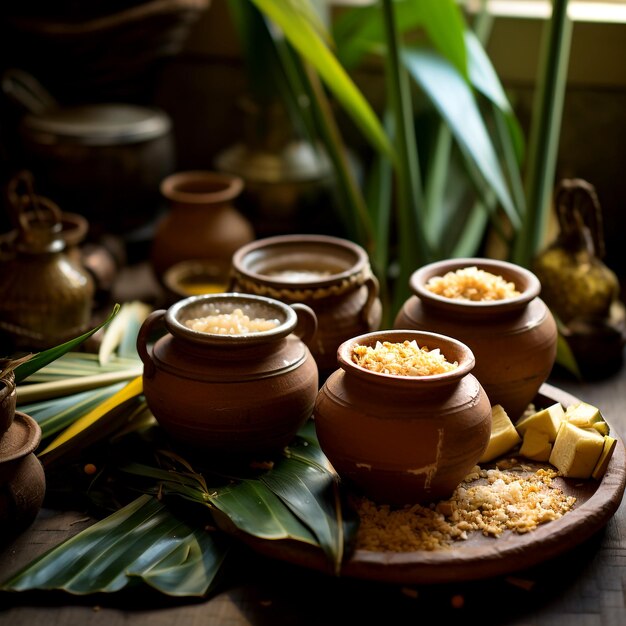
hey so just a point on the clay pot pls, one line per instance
(230, 396)
(202, 223)
(22, 478)
(8, 401)
(331, 275)
(514, 340)
(403, 439)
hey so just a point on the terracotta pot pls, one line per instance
(513, 340)
(22, 479)
(8, 401)
(202, 223)
(230, 396)
(331, 275)
(403, 439)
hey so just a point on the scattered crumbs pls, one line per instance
(409, 592)
(262, 465)
(265, 603)
(457, 601)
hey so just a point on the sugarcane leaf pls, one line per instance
(57, 414)
(41, 359)
(97, 423)
(143, 541)
(452, 97)
(302, 33)
(254, 509)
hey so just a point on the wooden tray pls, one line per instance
(482, 557)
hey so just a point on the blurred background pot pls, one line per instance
(8, 400)
(230, 396)
(514, 340)
(330, 274)
(202, 223)
(403, 439)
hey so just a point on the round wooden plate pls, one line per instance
(482, 557)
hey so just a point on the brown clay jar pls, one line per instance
(22, 478)
(514, 339)
(203, 222)
(329, 274)
(230, 396)
(401, 439)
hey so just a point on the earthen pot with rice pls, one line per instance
(494, 307)
(403, 420)
(232, 378)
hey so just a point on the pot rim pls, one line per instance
(181, 310)
(462, 354)
(244, 258)
(201, 187)
(526, 282)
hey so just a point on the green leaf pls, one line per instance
(144, 541)
(303, 34)
(59, 413)
(254, 509)
(47, 356)
(454, 100)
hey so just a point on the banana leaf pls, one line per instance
(143, 542)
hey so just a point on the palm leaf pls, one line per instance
(142, 542)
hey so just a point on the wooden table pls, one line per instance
(586, 586)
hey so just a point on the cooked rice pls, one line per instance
(489, 501)
(235, 323)
(470, 283)
(402, 359)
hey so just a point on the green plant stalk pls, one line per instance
(545, 131)
(412, 246)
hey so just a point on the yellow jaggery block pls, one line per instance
(504, 436)
(576, 450)
(547, 421)
(586, 415)
(603, 462)
(536, 445)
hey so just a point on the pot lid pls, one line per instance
(97, 124)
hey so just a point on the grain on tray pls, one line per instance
(488, 501)
(402, 359)
(470, 283)
(233, 323)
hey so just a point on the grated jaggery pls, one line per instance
(470, 283)
(402, 359)
(488, 501)
(235, 323)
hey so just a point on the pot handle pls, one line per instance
(142, 341)
(7, 388)
(306, 327)
(373, 289)
(27, 92)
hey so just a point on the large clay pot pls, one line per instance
(230, 396)
(330, 274)
(403, 439)
(202, 222)
(22, 479)
(514, 339)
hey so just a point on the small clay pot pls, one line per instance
(22, 478)
(514, 339)
(331, 275)
(236, 396)
(203, 221)
(8, 401)
(403, 439)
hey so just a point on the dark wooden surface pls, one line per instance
(586, 586)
